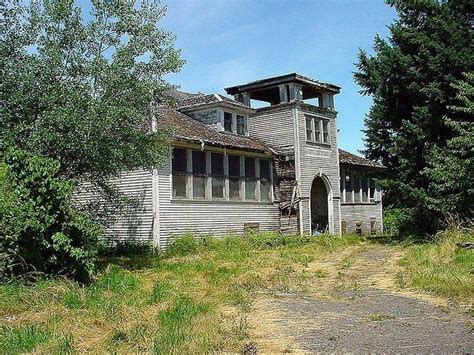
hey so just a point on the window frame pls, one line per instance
(209, 197)
(364, 175)
(235, 128)
(317, 124)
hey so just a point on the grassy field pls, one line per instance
(198, 295)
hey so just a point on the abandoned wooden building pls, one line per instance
(233, 168)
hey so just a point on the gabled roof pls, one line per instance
(282, 79)
(352, 159)
(190, 130)
(198, 101)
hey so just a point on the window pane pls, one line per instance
(317, 129)
(265, 190)
(234, 165)
(365, 188)
(250, 168)
(372, 188)
(250, 186)
(179, 163)
(309, 129)
(234, 188)
(241, 125)
(217, 164)
(179, 185)
(218, 187)
(265, 169)
(356, 187)
(199, 186)
(228, 121)
(199, 162)
(325, 131)
(348, 186)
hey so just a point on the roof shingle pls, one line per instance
(352, 159)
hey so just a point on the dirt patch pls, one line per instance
(354, 305)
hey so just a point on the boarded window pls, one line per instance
(250, 179)
(241, 125)
(228, 121)
(265, 180)
(179, 164)
(234, 177)
(217, 172)
(199, 174)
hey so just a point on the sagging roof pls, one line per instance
(190, 130)
(197, 101)
(282, 79)
(352, 159)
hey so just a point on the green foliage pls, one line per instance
(396, 220)
(412, 127)
(21, 340)
(40, 232)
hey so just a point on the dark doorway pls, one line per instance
(319, 207)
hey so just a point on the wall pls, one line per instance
(136, 222)
(210, 117)
(216, 218)
(318, 159)
(351, 213)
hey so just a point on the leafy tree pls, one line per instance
(412, 78)
(79, 91)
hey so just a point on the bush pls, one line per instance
(41, 232)
(398, 221)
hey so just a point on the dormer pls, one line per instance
(219, 112)
(285, 89)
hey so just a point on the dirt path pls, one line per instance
(354, 306)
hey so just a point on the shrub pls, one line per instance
(398, 221)
(41, 232)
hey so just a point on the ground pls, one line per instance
(356, 307)
(262, 293)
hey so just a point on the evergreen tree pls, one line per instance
(412, 78)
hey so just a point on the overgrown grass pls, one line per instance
(193, 298)
(442, 267)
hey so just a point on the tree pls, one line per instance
(412, 78)
(80, 92)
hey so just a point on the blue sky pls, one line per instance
(227, 43)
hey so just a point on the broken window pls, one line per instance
(179, 172)
(250, 179)
(234, 177)
(217, 173)
(241, 125)
(199, 174)
(265, 180)
(228, 122)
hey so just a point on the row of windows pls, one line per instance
(205, 175)
(235, 123)
(317, 130)
(357, 186)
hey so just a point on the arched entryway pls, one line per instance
(320, 196)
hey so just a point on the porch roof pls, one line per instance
(352, 159)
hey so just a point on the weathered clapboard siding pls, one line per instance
(275, 128)
(216, 218)
(351, 213)
(136, 222)
(318, 159)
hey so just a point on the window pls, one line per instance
(365, 187)
(250, 179)
(179, 172)
(241, 125)
(317, 130)
(217, 175)
(348, 182)
(199, 174)
(372, 189)
(309, 128)
(228, 122)
(356, 186)
(234, 177)
(265, 180)
(325, 131)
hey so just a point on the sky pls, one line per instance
(227, 43)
